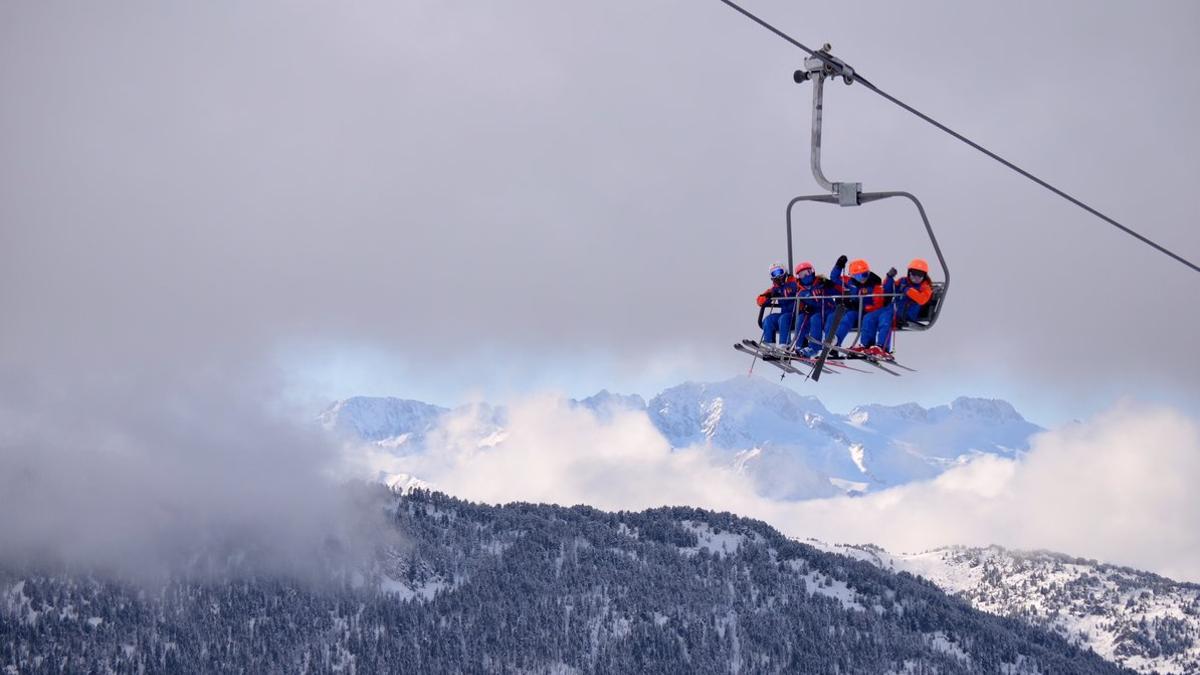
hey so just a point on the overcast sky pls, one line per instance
(446, 199)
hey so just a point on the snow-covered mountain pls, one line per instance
(871, 447)
(393, 421)
(791, 445)
(1136, 619)
(526, 588)
(794, 447)
(403, 425)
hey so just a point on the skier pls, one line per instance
(915, 291)
(784, 288)
(812, 308)
(868, 291)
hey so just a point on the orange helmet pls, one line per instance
(802, 267)
(919, 264)
(859, 267)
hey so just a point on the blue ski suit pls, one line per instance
(813, 308)
(780, 324)
(876, 310)
(908, 306)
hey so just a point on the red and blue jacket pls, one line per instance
(920, 293)
(812, 296)
(788, 289)
(873, 290)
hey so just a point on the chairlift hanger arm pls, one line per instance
(851, 76)
(816, 69)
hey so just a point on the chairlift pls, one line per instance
(817, 69)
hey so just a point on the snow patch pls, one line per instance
(942, 643)
(720, 543)
(394, 442)
(402, 483)
(858, 454)
(422, 592)
(493, 439)
(714, 409)
(849, 486)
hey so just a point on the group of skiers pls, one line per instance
(807, 300)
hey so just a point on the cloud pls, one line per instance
(554, 452)
(151, 473)
(143, 472)
(1119, 487)
(234, 176)
(221, 182)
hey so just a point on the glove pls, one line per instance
(891, 272)
(841, 261)
(762, 300)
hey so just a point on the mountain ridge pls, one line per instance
(535, 588)
(1139, 619)
(765, 431)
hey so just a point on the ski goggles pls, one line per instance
(778, 273)
(917, 274)
(861, 277)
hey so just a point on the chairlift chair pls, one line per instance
(817, 68)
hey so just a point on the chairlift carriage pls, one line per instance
(833, 358)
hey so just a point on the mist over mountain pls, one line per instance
(789, 444)
(531, 588)
(415, 573)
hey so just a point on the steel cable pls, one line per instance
(871, 86)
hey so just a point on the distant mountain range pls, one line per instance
(791, 445)
(795, 448)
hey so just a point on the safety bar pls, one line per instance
(773, 303)
(866, 198)
(834, 297)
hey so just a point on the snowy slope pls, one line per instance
(448, 586)
(872, 447)
(605, 403)
(790, 445)
(381, 419)
(404, 425)
(1137, 619)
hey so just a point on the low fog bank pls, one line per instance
(1119, 487)
(180, 471)
(189, 469)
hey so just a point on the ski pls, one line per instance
(834, 360)
(777, 352)
(771, 359)
(874, 360)
(855, 356)
(771, 353)
(771, 356)
(838, 363)
(830, 332)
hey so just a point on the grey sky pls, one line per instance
(477, 192)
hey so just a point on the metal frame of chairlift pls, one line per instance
(817, 69)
